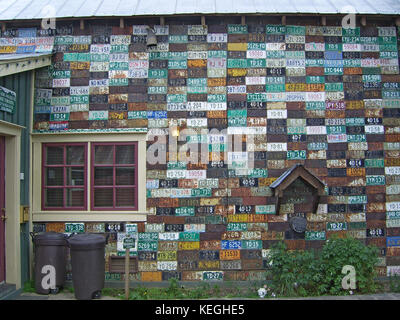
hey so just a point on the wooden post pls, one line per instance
(162, 21)
(283, 20)
(243, 21)
(121, 23)
(127, 273)
(323, 21)
(3, 26)
(82, 24)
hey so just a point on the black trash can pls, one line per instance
(50, 249)
(88, 264)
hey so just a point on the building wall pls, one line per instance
(324, 97)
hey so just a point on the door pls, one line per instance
(2, 211)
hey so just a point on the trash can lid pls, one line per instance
(50, 238)
(84, 241)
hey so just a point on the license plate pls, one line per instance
(98, 115)
(189, 245)
(168, 236)
(61, 83)
(315, 235)
(95, 227)
(195, 228)
(217, 37)
(251, 244)
(393, 241)
(189, 236)
(231, 265)
(74, 227)
(114, 227)
(231, 244)
(149, 266)
(147, 245)
(167, 265)
(336, 226)
(213, 275)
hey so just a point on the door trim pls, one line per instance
(12, 135)
(2, 207)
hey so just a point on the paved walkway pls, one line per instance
(70, 296)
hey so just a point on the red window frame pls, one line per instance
(64, 187)
(113, 186)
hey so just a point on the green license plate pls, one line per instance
(74, 227)
(315, 235)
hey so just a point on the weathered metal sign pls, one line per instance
(7, 100)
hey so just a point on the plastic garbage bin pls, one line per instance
(50, 261)
(88, 264)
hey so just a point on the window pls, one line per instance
(113, 182)
(64, 176)
(114, 176)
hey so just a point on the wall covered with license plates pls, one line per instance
(324, 97)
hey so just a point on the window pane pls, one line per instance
(54, 197)
(103, 197)
(75, 198)
(75, 176)
(103, 176)
(54, 176)
(103, 154)
(55, 155)
(64, 176)
(114, 175)
(75, 155)
(125, 176)
(125, 154)
(125, 197)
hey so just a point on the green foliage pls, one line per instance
(203, 290)
(337, 253)
(394, 282)
(309, 273)
(29, 286)
(111, 292)
(197, 293)
(173, 291)
(293, 273)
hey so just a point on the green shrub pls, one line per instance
(308, 273)
(394, 282)
(337, 253)
(292, 273)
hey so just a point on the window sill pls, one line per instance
(89, 216)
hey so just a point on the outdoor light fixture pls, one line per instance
(151, 37)
(175, 131)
